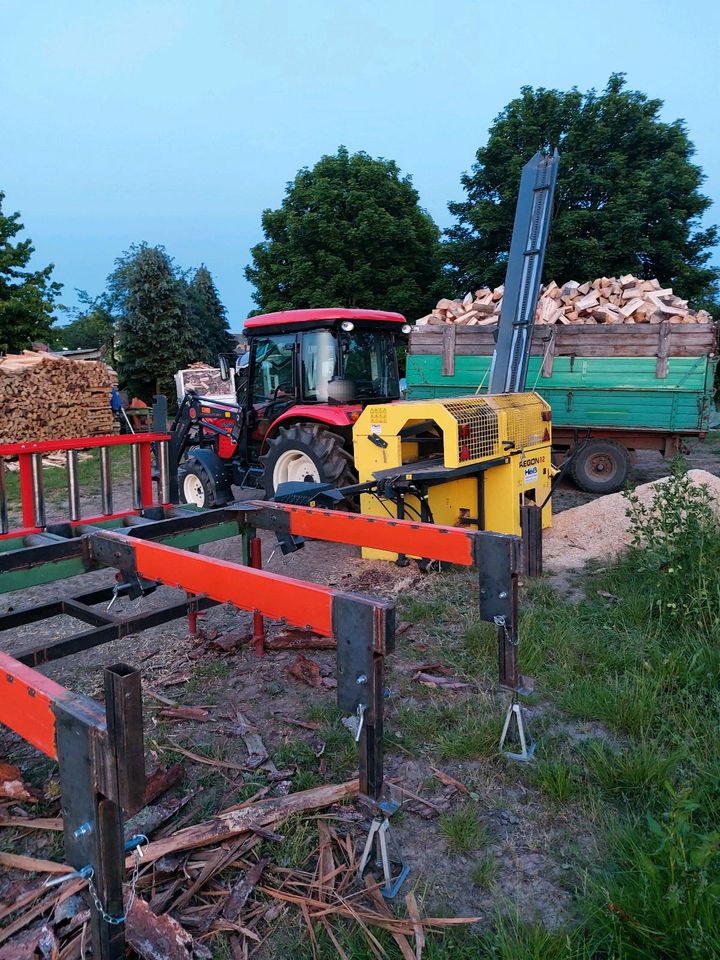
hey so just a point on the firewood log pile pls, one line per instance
(606, 300)
(54, 398)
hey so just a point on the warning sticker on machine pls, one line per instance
(531, 474)
(376, 428)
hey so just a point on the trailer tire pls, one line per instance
(601, 466)
(306, 451)
(195, 485)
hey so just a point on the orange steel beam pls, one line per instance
(449, 544)
(307, 605)
(26, 704)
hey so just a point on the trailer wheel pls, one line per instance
(196, 485)
(306, 452)
(601, 466)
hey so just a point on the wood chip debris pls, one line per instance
(209, 879)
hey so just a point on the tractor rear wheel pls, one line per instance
(306, 452)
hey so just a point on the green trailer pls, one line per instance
(613, 389)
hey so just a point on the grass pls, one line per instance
(462, 829)
(485, 872)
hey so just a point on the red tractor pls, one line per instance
(310, 372)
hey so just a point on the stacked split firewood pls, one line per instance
(607, 300)
(44, 397)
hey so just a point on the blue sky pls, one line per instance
(179, 122)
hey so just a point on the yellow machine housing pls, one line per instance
(510, 433)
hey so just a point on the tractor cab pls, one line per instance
(335, 360)
(307, 377)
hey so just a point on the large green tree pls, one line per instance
(209, 317)
(628, 197)
(26, 296)
(349, 232)
(154, 330)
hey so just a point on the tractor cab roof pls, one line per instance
(320, 317)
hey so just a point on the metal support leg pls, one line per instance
(365, 632)
(4, 525)
(73, 485)
(514, 729)
(38, 493)
(163, 472)
(531, 526)
(101, 769)
(106, 481)
(258, 637)
(136, 476)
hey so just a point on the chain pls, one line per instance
(108, 918)
(502, 622)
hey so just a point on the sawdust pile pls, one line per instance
(599, 530)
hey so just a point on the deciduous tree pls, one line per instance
(349, 232)
(628, 197)
(26, 296)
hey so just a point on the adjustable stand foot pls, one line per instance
(376, 846)
(514, 730)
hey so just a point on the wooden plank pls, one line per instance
(661, 368)
(448, 350)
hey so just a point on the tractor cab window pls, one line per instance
(273, 375)
(370, 361)
(319, 363)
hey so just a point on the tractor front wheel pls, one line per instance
(196, 486)
(306, 452)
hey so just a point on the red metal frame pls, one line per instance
(25, 451)
(26, 704)
(306, 605)
(448, 544)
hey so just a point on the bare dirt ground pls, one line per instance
(537, 849)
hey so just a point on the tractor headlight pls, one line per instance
(347, 326)
(406, 328)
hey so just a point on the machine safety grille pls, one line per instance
(477, 427)
(524, 419)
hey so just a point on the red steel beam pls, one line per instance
(449, 544)
(307, 605)
(26, 699)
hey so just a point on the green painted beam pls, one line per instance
(62, 569)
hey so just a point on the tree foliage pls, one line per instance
(208, 316)
(155, 334)
(26, 296)
(628, 197)
(349, 232)
(92, 326)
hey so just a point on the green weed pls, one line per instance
(485, 872)
(462, 829)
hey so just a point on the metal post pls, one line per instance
(106, 481)
(258, 620)
(159, 413)
(4, 523)
(531, 526)
(123, 708)
(92, 824)
(135, 476)
(163, 472)
(73, 485)
(37, 487)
